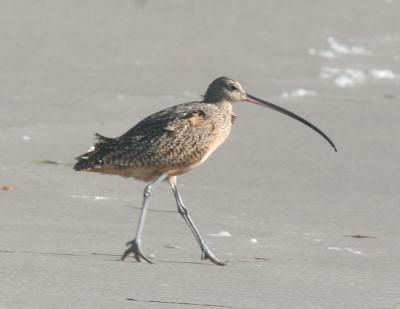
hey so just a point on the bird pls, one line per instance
(172, 142)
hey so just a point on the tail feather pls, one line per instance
(94, 156)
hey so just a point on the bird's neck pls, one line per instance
(224, 105)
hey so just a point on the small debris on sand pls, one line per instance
(262, 259)
(51, 162)
(169, 246)
(7, 187)
(222, 234)
(359, 236)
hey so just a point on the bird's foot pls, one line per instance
(134, 247)
(206, 254)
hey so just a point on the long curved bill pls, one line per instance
(252, 99)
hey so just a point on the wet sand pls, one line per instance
(309, 228)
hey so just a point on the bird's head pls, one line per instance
(224, 89)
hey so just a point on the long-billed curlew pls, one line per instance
(170, 143)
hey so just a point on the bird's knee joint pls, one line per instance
(183, 211)
(147, 191)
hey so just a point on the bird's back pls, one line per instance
(173, 140)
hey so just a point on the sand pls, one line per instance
(302, 226)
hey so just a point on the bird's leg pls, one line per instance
(134, 245)
(205, 251)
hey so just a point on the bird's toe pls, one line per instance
(133, 247)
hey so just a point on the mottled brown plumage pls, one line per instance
(172, 142)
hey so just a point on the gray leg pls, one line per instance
(134, 245)
(205, 251)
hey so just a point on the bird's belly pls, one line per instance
(188, 166)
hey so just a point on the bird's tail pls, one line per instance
(94, 156)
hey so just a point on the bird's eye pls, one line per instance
(232, 87)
